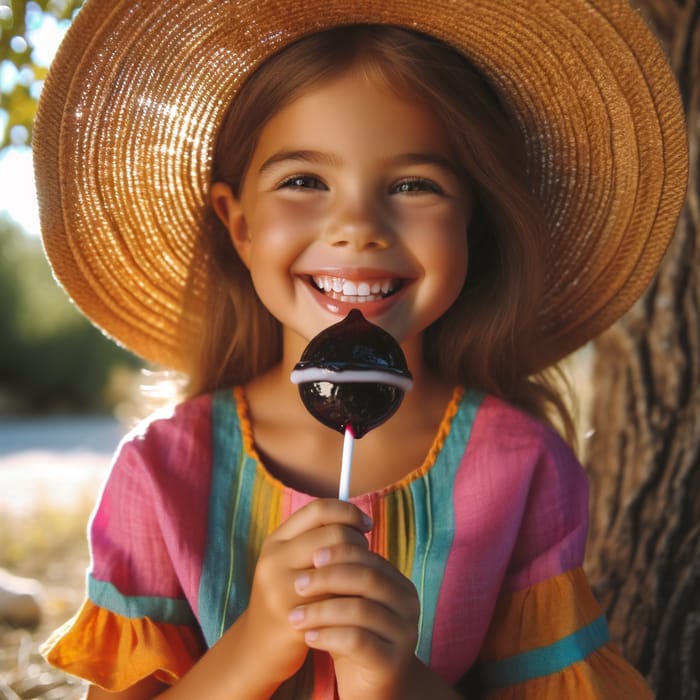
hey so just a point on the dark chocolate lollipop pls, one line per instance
(352, 377)
(353, 373)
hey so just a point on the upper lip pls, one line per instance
(356, 274)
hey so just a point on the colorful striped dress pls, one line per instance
(490, 529)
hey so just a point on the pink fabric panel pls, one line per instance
(519, 493)
(160, 477)
(293, 501)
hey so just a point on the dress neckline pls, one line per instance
(247, 433)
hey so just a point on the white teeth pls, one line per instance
(348, 290)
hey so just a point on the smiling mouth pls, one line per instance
(355, 291)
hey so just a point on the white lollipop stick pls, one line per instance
(346, 464)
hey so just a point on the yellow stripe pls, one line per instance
(267, 491)
(263, 505)
(405, 545)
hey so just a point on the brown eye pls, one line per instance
(303, 182)
(416, 185)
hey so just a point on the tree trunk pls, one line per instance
(644, 453)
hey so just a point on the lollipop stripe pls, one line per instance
(320, 374)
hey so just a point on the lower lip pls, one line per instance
(369, 308)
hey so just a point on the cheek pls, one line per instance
(279, 231)
(445, 252)
(450, 264)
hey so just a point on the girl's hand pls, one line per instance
(362, 611)
(286, 557)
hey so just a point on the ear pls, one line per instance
(230, 211)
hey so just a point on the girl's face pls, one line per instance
(352, 199)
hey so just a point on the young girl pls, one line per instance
(220, 182)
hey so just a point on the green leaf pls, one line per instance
(18, 102)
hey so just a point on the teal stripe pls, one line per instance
(173, 611)
(423, 523)
(434, 516)
(223, 589)
(237, 595)
(545, 660)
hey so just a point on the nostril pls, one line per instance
(358, 232)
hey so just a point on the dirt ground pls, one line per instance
(45, 501)
(23, 672)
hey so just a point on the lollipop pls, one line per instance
(352, 377)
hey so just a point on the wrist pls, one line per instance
(235, 667)
(261, 666)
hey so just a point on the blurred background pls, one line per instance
(67, 395)
(66, 392)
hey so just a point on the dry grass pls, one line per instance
(47, 544)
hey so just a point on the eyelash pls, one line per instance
(412, 185)
(302, 182)
(417, 184)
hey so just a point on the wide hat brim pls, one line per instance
(129, 114)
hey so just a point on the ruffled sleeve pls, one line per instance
(122, 651)
(547, 638)
(550, 641)
(147, 537)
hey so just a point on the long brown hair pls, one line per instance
(488, 339)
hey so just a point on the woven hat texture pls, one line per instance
(130, 110)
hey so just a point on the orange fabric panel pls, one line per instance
(540, 615)
(114, 652)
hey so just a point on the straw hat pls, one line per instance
(130, 110)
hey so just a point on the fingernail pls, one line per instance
(311, 635)
(322, 557)
(367, 521)
(296, 617)
(301, 582)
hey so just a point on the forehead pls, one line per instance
(352, 110)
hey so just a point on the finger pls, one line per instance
(323, 512)
(353, 612)
(298, 553)
(348, 553)
(281, 561)
(362, 645)
(377, 583)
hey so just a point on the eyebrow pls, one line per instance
(301, 156)
(429, 159)
(320, 157)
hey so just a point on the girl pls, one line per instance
(481, 216)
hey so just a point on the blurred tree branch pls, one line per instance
(21, 74)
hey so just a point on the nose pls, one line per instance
(359, 224)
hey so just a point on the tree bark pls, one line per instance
(644, 453)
